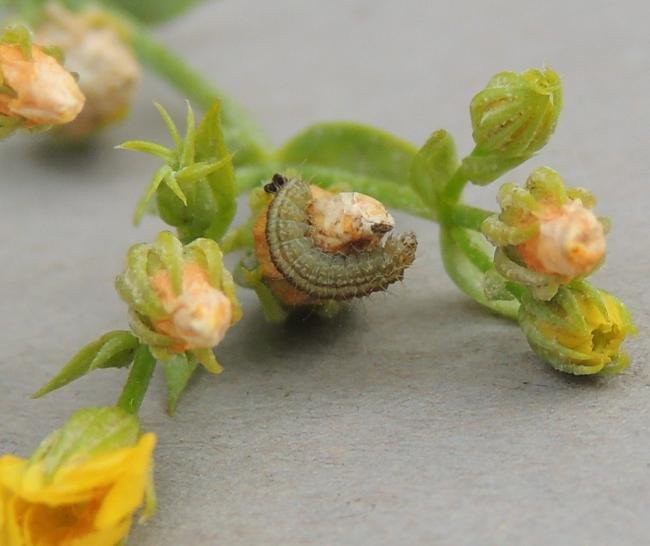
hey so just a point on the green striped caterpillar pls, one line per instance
(327, 275)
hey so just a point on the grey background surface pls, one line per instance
(417, 418)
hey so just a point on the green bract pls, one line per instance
(195, 188)
(88, 432)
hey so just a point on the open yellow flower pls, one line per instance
(89, 496)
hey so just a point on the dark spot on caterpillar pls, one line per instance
(325, 275)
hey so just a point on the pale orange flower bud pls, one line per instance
(570, 241)
(199, 316)
(42, 92)
(108, 70)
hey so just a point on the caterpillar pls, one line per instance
(320, 274)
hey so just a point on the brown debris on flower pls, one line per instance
(108, 70)
(38, 91)
(199, 316)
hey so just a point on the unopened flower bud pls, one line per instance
(108, 70)
(546, 233)
(512, 118)
(36, 90)
(181, 298)
(199, 316)
(579, 331)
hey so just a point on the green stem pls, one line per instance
(241, 133)
(468, 217)
(454, 188)
(138, 381)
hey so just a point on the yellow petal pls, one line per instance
(128, 493)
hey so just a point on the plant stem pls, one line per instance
(138, 381)
(242, 134)
(468, 217)
(454, 188)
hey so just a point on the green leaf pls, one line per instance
(433, 167)
(157, 178)
(351, 147)
(154, 11)
(211, 148)
(146, 147)
(398, 196)
(112, 350)
(466, 267)
(178, 372)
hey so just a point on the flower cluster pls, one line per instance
(319, 234)
(547, 240)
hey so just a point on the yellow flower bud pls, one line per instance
(108, 70)
(83, 484)
(579, 331)
(37, 90)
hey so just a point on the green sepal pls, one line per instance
(351, 147)
(112, 350)
(154, 11)
(433, 166)
(18, 35)
(177, 372)
(248, 274)
(466, 263)
(87, 433)
(482, 169)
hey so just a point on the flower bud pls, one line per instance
(108, 70)
(199, 316)
(546, 234)
(512, 118)
(36, 90)
(181, 298)
(85, 481)
(579, 331)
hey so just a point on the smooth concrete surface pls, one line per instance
(417, 418)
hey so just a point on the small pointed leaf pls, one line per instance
(177, 372)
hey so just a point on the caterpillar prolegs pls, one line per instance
(291, 245)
